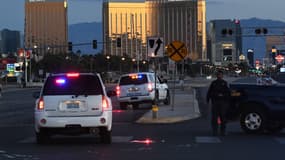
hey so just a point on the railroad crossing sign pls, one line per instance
(177, 51)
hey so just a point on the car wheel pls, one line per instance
(253, 121)
(105, 136)
(123, 106)
(42, 137)
(167, 99)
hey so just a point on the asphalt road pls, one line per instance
(182, 141)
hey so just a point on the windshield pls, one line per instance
(127, 80)
(82, 85)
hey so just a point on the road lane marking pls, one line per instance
(207, 139)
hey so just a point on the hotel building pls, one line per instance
(46, 26)
(132, 23)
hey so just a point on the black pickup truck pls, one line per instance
(259, 107)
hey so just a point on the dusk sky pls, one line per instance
(12, 11)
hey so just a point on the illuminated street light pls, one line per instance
(241, 57)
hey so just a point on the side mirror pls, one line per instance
(111, 93)
(36, 95)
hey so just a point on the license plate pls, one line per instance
(133, 94)
(72, 105)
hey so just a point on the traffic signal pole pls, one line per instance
(26, 68)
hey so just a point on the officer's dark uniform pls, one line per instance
(219, 94)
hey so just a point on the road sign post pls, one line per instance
(176, 51)
(155, 50)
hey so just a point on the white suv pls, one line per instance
(137, 88)
(73, 103)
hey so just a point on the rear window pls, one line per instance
(81, 85)
(136, 80)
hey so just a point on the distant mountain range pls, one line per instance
(86, 32)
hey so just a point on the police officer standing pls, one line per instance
(219, 94)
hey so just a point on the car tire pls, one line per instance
(42, 137)
(123, 106)
(253, 121)
(167, 99)
(105, 136)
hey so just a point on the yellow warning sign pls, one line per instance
(176, 51)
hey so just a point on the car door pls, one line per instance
(161, 88)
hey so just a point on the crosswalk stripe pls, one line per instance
(207, 139)
(115, 139)
(16, 125)
(121, 139)
(280, 140)
(28, 140)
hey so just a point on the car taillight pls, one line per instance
(41, 104)
(118, 92)
(149, 87)
(105, 104)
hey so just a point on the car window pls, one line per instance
(127, 80)
(159, 80)
(151, 77)
(82, 85)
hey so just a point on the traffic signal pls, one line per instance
(94, 44)
(119, 43)
(69, 46)
(225, 32)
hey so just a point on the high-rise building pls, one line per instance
(275, 46)
(226, 41)
(46, 26)
(134, 22)
(9, 41)
(125, 22)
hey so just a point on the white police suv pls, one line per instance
(73, 103)
(137, 88)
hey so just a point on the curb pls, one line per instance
(167, 120)
(172, 119)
